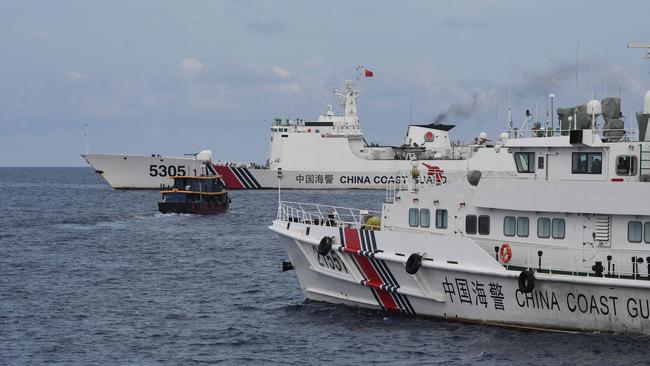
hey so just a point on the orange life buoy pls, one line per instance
(505, 253)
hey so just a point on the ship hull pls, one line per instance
(367, 269)
(141, 171)
(362, 178)
(197, 208)
(147, 172)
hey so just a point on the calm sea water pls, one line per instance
(90, 275)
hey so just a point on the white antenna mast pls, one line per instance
(577, 61)
(510, 108)
(606, 75)
(86, 138)
(496, 113)
(547, 114)
(410, 109)
(552, 97)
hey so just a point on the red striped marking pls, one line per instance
(229, 177)
(353, 243)
(434, 171)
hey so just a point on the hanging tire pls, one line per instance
(414, 263)
(325, 245)
(526, 281)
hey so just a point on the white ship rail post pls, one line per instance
(314, 214)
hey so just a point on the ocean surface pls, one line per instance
(91, 275)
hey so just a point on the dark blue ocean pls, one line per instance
(90, 275)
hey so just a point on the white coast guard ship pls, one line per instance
(124, 171)
(562, 245)
(330, 152)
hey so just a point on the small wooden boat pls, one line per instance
(203, 195)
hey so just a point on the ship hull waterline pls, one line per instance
(143, 172)
(378, 280)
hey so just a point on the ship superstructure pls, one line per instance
(332, 152)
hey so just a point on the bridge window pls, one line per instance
(522, 226)
(484, 225)
(646, 232)
(509, 226)
(559, 228)
(634, 231)
(626, 165)
(425, 217)
(414, 217)
(544, 227)
(587, 163)
(525, 162)
(470, 224)
(441, 219)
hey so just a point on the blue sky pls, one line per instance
(177, 77)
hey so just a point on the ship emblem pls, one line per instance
(436, 173)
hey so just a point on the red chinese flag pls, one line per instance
(367, 73)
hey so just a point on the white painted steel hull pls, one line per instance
(361, 174)
(141, 171)
(144, 172)
(492, 296)
(250, 178)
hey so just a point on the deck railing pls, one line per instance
(628, 134)
(323, 214)
(614, 265)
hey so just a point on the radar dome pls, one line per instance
(594, 107)
(204, 155)
(646, 102)
(503, 136)
(482, 136)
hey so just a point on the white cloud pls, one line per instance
(190, 67)
(73, 75)
(281, 72)
(288, 88)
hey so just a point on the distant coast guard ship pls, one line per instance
(327, 153)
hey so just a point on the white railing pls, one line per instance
(310, 213)
(629, 134)
(573, 263)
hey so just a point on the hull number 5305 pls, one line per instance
(166, 170)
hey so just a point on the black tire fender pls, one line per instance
(414, 263)
(325, 245)
(526, 281)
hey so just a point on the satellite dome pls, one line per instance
(594, 107)
(204, 155)
(482, 136)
